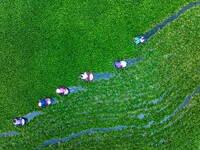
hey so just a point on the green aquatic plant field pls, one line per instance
(45, 45)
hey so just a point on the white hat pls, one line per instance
(66, 92)
(23, 121)
(91, 76)
(15, 122)
(123, 63)
(84, 75)
(39, 104)
(58, 90)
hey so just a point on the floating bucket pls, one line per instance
(63, 91)
(87, 76)
(20, 121)
(45, 102)
(120, 64)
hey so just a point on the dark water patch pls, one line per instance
(105, 76)
(31, 115)
(170, 19)
(9, 134)
(56, 141)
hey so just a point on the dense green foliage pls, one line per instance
(45, 45)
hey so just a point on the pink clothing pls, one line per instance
(62, 90)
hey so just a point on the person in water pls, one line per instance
(120, 64)
(139, 40)
(45, 102)
(63, 91)
(20, 121)
(142, 39)
(87, 76)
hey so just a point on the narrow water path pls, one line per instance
(170, 19)
(9, 134)
(55, 141)
(105, 76)
(141, 116)
(187, 100)
(32, 115)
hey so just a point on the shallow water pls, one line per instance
(149, 124)
(105, 76)
(187, 100)
(32, 115)
(29, 116)
(170, 19)
(75, 89)
(55, 141)
(9, 134)
(140, 116)
(158, 100)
